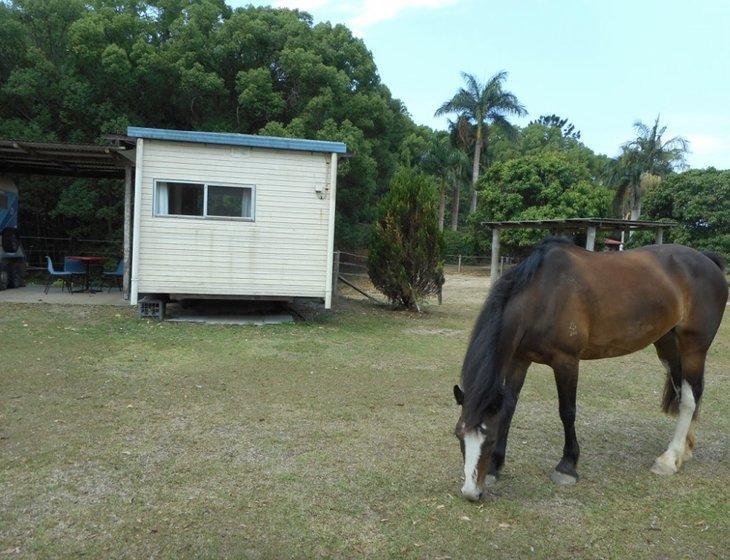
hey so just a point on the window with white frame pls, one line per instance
(205, 200)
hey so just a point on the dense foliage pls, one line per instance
(533, 187)
(700, 201)
(643, 162)
(75, 70)
(405, 261)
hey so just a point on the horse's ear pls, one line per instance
(458, 395)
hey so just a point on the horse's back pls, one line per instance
(598, 305)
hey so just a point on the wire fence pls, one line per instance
(36, 249)
(352, 276)
(476, 263)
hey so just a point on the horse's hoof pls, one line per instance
(663, 468)
(490, 480)
(563, 479)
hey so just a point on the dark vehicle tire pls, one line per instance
(11, 244)
(4, 277)
(16, 275)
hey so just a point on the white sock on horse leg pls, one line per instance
(672, 458)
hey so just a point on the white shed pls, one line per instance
(232, 216)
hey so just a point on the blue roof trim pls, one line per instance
(232, 139)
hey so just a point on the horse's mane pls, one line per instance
(481, 374)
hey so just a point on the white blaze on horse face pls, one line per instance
(473, 441)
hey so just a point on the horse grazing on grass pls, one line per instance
(564, 304)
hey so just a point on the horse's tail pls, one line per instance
(670, 397)
(716, 258)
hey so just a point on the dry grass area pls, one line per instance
(121, 438)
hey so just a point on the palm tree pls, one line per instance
(447, 163)
(435, 161)
(644, 161)
(483, 105)
(458, 170)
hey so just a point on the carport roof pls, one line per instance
(68, 160)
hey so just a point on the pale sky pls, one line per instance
(601, 64)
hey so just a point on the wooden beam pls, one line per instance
(346, 283)
(494, 269)
(659, 237)
(128, 178)
(591, 238)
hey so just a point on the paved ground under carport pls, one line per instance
(34, 294)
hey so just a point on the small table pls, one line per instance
(88, 261)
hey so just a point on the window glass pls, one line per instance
(3, 200)
(180, 199)
(233, 202)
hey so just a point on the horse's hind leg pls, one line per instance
(680, 448)
(566, 378)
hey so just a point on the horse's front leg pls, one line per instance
(566, 378)
(512, 388)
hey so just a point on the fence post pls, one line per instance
(335, 277)
(493, 272)
(459, 269)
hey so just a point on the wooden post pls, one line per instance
(128, 172)
(659, 236)
(459, 268)
(591, 238)
(493, 271)
(335, 276)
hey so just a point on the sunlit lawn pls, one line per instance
(122, 438)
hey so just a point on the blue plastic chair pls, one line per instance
(74, 267)
(117, 275)
(54, 275)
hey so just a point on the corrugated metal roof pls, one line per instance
(70, 160)
(577, 223)
(233, 139)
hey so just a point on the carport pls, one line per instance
(113, 161)
(589, 226)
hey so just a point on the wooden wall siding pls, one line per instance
(282, 253)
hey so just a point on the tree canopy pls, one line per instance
(534, 187)
(699, 200)
(75, 70)
(482, 105)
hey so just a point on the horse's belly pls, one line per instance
(628, 337)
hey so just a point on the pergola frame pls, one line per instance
(590, 225)
(78, 160)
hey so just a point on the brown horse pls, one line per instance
(564, 304)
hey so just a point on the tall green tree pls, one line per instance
(567, 129)
(647, 155)
(483, 105)
(75, 70)
(547, 185)
(405, 261)
(447, 163)
(699, 200)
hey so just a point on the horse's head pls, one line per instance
(477, 445)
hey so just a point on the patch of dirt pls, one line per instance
(433, 331)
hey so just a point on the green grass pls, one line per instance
(124, 438)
